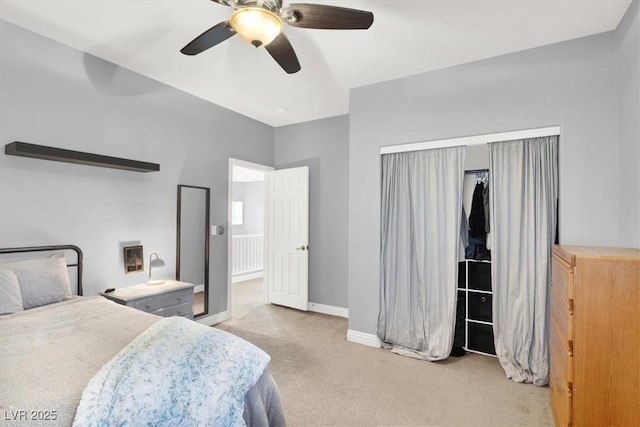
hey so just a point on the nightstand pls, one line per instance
(171, 298)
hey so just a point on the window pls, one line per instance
(236, 213)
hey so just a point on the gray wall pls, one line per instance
(571, 84)
(252, 194)
(628, 72)
(476, 157)
(323, 145)
(56, 95)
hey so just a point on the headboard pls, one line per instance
(77, 265)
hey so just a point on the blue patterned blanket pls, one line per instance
(176, 373)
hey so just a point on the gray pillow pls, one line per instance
(42, 281)
(10, 296)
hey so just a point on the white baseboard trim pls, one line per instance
(214, 318)
(329, 309)
(248, 276)
(357, 337)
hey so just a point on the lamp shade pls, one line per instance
(155, 263)
(256, 26)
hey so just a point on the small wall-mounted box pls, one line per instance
(217, 230)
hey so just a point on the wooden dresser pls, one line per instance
(594, 336)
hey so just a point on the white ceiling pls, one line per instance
(407, 37)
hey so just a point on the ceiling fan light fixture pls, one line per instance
(256, 26)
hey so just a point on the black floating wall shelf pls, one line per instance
(24, 149)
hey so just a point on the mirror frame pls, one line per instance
(206, 242)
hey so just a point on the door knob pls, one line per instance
(302, 248)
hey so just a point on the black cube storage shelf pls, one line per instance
(480, 276)
(475, 292)
(480, 338)
(480, 307)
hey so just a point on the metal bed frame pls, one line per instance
(77, 250)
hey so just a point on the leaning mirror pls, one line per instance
(192, 243)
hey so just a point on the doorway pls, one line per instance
(247, 288)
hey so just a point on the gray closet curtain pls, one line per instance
(420, 216)
(524, 185)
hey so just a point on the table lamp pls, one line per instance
(155, 263)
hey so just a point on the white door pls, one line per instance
(288, 237)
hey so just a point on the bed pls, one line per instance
(89, 361)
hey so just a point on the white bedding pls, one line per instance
(200, 379)
(49, 354)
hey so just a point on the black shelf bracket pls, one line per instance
(24, 149)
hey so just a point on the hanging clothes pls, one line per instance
(477, 218)
(464, 236)
(477, 248)
(485, 203)
(485, 196)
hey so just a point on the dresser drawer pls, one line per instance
(560, 354)
(559, 416)
(562, 279)
(560, 397)
(561, 317)
(183, 310)
(167, 299)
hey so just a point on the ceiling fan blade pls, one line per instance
(281, 50)
(329, 17)
(222, 2)
(214, 35)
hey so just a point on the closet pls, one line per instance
(465, 287)
(474, 317)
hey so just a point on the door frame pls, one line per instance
(265, 289)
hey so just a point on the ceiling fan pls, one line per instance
(260, 23)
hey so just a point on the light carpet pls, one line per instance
(326, 381)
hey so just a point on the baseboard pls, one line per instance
(329, 309)
(214, 318)
(357, 337)
(248, 276)
(198, 288)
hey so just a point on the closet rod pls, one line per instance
(470, 171)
